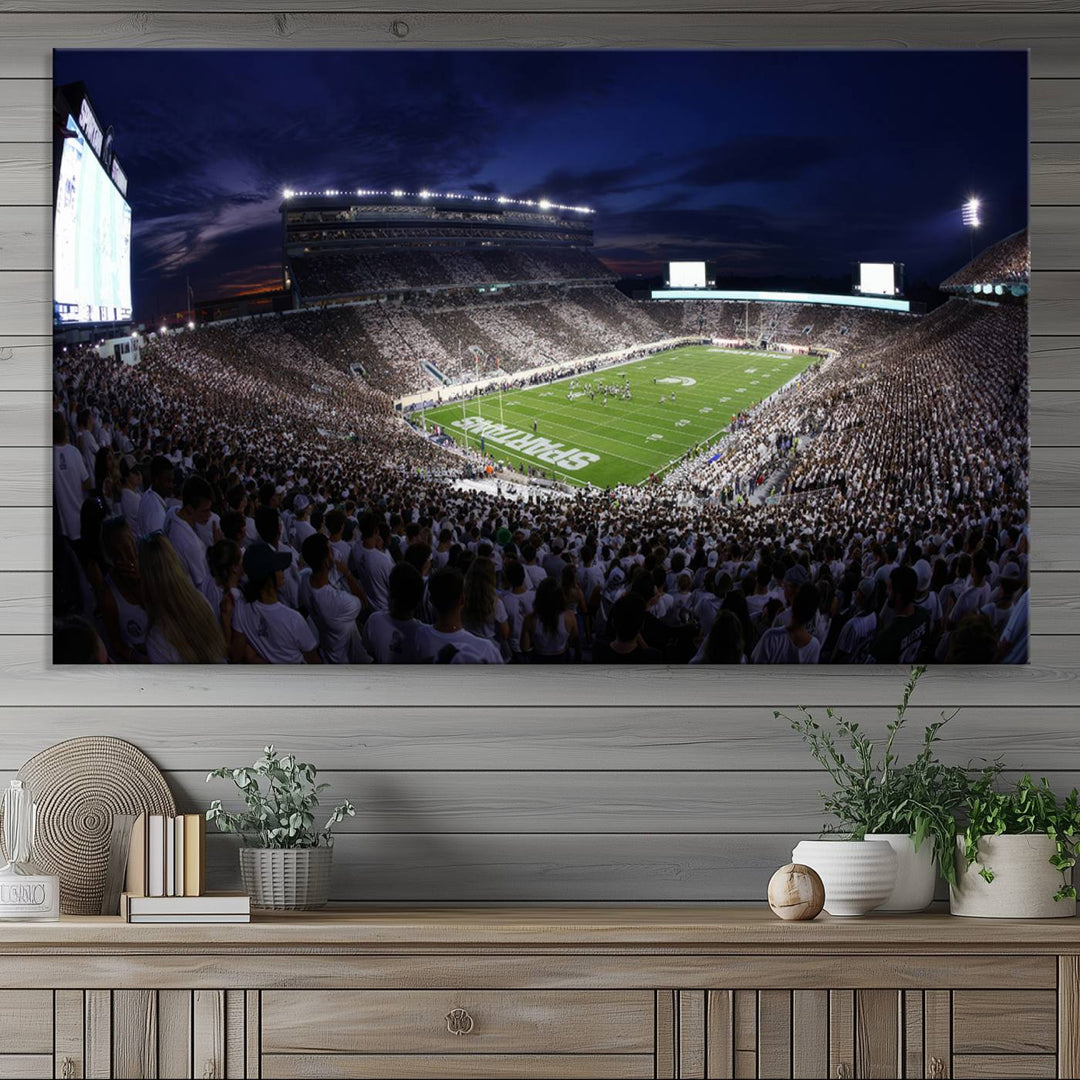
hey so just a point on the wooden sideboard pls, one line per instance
(551, 992)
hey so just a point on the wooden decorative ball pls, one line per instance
(796, 893)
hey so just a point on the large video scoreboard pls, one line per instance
(91, 227)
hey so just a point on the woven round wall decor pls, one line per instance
(78, 785)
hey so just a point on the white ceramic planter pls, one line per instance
(1024, 881)
(858, 875)
(916, 872)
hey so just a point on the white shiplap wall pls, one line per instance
(511, 785)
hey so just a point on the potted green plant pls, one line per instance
(1016, 852)
(911, 807)
(285, 860)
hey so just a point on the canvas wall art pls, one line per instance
(505, 358)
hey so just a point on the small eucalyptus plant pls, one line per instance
(874, 793)
(1028, 808)
(280, 798)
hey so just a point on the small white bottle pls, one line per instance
(25, 892)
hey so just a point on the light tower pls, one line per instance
(969, 213)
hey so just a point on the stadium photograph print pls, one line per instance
(527, 357)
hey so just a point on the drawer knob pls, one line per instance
(67, 1069)
(459, 1022)
(937, 1069)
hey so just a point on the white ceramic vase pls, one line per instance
(1024, 881)
(916, 872)
(858, 875)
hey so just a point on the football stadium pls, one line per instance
(452, 437)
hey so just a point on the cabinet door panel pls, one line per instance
(26, 1066)
(70, 1037)
(937, 1032)
(98, 1026)
(745, 1033)
(774, 1034)
(1004, 1022)
(810, 1034)
(26, 1022)
(913, 1033)
(720, 1034)
(842, 1033)
(1011, 1066)
(135, 1034)
(877, 1034)
(174, 1034)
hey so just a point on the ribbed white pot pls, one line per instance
(858, 875)
(1024, 881)
(916, 872)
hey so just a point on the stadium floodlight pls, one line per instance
(544, 204)
(164, 329)
(425, 194)
(397, 193)
(288, 193)
(191, 326)
(969, 214)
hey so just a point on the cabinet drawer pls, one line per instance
(1005, 1066)
(429, 1021)
(1004, 1022)
(26, 1066)
(459, 1066)
(26, 1022)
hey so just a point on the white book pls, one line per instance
(170, 856)
(189, 919)
(178, 855)
(155, 855)
(207, 904)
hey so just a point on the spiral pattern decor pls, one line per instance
(78, 785)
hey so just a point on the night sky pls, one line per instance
(773, 164)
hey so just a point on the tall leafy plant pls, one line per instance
(873, 792)
(280, 798)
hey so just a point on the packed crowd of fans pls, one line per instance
(233, 498)
(1006, 262)
(369, 271)
(242, 496)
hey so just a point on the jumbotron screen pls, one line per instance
(879, 279)
(91, 239)
(686, 275)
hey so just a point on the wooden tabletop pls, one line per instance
(647, 928)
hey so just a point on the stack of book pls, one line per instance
(166, 875)
(207, 908)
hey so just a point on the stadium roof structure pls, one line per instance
(1002, 269)
(435, 196)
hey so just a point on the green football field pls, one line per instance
(581, 440)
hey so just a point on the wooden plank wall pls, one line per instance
(509, 785)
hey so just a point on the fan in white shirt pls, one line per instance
(275, 634)
(71, 481)
(393, 637)
(181, 524)
(447, 642)
(372, 564)
(130, 495)
(151, 518)
(518, 602)
(334, 611)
